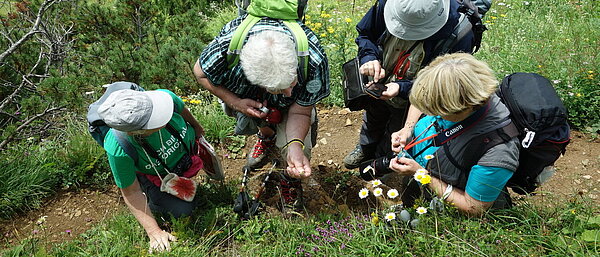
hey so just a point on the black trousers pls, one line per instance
(163, 203)
(380, 120)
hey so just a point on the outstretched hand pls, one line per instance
(298, 163)
(160, 241)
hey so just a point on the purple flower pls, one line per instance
(343, 246)
(68, 231)
(35, 231)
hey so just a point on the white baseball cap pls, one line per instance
(415, 19)
(129, 110)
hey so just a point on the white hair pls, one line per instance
(269, 59)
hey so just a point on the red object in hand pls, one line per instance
(274, 116)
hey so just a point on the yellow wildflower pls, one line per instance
(318, 25)
(425, 180)
(375, 220)
(348, 20)
(323, 34)
(330, 30)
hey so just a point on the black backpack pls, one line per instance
(539, 120)
(472, 12)
(98, 129)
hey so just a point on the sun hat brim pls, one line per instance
(162, 109)
(415, 31)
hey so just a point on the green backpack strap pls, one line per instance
(301, 46)
(240, 34)
(237, 40)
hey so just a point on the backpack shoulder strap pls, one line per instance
(301, 46)
(458, 33)
(237, 40)
(126, 145)
(301, 8)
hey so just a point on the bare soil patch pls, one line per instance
(332, 188)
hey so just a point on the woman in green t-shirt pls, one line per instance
(162, 131)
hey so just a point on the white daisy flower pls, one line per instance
(376, 183)
(378, 191)
(392, 193)
(421, 210)
(421, 171)
(390, 216)
(368, 169)
(429, 157)
(363, 193)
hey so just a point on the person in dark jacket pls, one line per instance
(396, 39)
(457, 93)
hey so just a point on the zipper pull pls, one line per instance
(528, 138)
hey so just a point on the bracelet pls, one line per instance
(295, 140)
(447, 192)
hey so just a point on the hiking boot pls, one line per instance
(291, 194)
(354, 158)
(260, 152)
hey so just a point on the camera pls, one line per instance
(376, 168)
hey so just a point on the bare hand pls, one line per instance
(159, 240)
(373, 69)
(404, 166)
(399, 138)
(298, 163)
(391, 91)
(249, 108)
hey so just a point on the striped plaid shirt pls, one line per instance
(213, 61)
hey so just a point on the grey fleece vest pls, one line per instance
(504, 155)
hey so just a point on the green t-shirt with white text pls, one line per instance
(169, 149)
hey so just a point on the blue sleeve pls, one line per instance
(485, 183)
(404, 88)
(370, 28)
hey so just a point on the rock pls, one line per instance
(577, 181)
(404, 215)
(329, 162)
(344, 111)
(585, 162)
(348, 122)
(328, 134)
(587, 177)
(414, 223)
(323, 141)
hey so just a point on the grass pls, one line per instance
(215, 231)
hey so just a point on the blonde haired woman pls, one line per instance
(456, 92)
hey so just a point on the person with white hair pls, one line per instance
(269, 95)
(395, 39)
